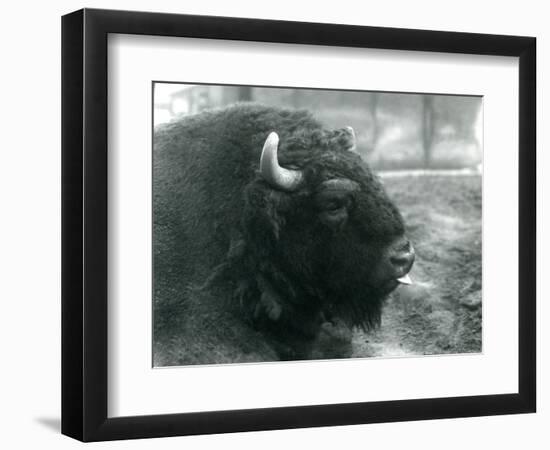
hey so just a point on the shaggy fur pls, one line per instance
(246, 272)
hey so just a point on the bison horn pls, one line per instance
(273, 173)
(353, 141)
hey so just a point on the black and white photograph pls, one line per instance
(275, 225)
(295, 224)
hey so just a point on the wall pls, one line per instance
(30, 288)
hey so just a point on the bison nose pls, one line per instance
(402, 257)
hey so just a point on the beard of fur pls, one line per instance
(362, 311)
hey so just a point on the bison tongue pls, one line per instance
(405, 279)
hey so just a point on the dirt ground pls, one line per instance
(441, 311)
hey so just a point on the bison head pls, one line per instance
(321, 240)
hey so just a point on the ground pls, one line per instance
(441, 311)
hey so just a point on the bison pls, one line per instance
(272, 238)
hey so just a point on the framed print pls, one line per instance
(274, 224)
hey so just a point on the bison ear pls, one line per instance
(264, 213)
(274, 211)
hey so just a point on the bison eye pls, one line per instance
(333, 206)
(333, 209)
(333, 203)
(335, 219)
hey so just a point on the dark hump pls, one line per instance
(201, 165)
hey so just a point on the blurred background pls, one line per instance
(394, 131)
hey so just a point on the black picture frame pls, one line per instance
(84, 224)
